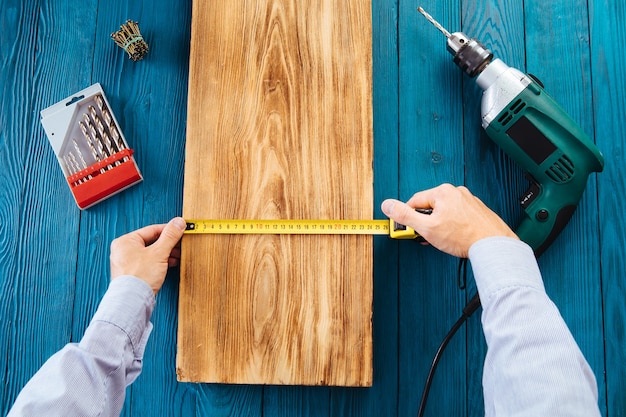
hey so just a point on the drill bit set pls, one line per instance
(90, 146)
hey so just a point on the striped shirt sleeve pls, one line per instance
(90, 378)
(533, 365)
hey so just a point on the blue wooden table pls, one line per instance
(54, 258)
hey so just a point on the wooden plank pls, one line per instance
(382, 398)
(608, 22)
(279, 126)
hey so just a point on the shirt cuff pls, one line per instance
(500, 262)
(128, 304)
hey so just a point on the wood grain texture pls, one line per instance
(149, 99)
(54, 258)
(608, 22)
(279, 126)
(58, 270)
(382, 398)
(572, 279)
(489, 173)
(37, 276)
(430, 152)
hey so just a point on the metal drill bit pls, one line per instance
(110, 145)
(97, 140)
(83, 127)
(106, 115)
(469, 54)
(434, 22)
(90, 137)
(103, 134)
(118, 140)
(80, 155)
(108, 121)
(90, 142)
(115, 134)
(100, 103)
(85, 178)
(69, 165)
(92, 112)
(86, 119)
(100, 143)
(98, 123)
(75, 167)
(100, 130)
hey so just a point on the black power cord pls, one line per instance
(468, 310)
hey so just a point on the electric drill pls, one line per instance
(536, 132)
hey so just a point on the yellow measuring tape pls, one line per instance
(301, 227)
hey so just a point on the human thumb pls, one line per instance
(171, 234)
(397, 210)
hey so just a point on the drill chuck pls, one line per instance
(469, 54)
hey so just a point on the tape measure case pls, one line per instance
(90, 146)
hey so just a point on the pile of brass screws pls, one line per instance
(129, 39)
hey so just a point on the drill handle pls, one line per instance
(540, 234)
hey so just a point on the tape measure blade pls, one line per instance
(289, 227)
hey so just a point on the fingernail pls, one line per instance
(179, 222)
(387, 207)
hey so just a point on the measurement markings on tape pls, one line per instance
(295, 227)
(301, 227)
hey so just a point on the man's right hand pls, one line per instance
(458, 218)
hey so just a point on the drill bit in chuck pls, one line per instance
(469, 54)
(434, 22)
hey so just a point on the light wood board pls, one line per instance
(279, 127)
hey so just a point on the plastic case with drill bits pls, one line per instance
(90, 146)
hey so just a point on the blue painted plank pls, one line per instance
(220, 400)
(558, 52)
(491, 176)
(39, 261)
(296, 401)
(149, 100)
(608, 23)
(430, 153)
(17, 19)
(580, 236)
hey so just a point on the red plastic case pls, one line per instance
(90, 146)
